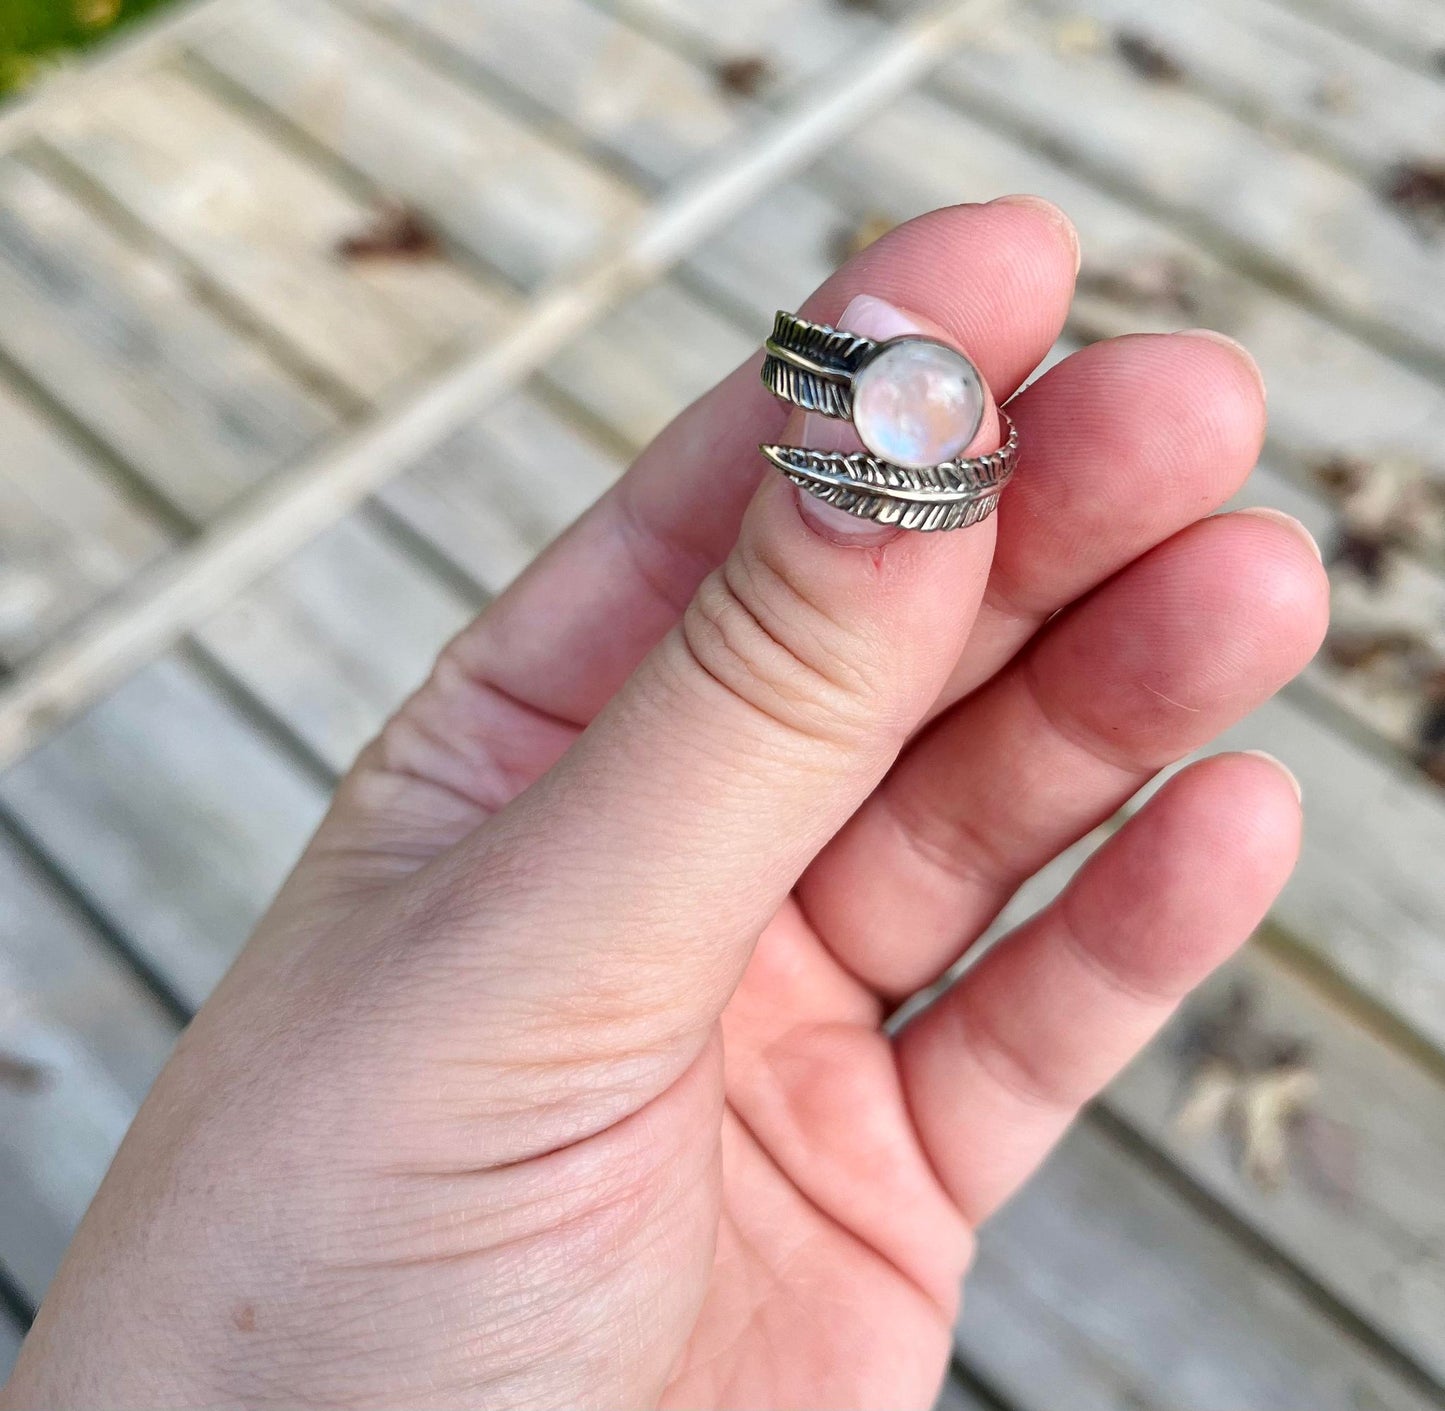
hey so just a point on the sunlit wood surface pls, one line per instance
(181, 332)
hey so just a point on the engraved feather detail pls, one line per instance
(812, 365)
(948, 496)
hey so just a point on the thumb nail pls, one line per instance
(840, 527)
(874, 318)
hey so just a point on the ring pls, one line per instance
(915, 404)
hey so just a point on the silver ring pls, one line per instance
(895, 480)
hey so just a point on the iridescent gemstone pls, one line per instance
(917, 402)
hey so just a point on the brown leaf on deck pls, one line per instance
(1387, 503)
(399, 232)
(746, 75)
(1256, 1088)
(1365, 551)
(1146, 58)
(1370, 649)
(21, 1075)
(1418, 189)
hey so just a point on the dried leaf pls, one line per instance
(745, 76)
(21, 1074)
(1363, 651)
(1247, 1084)
(1207, 1101)
(1418, 189)
(1146, 58)
(1268, 1104)
(399, 232)
(1340, 475)
(1367, 553)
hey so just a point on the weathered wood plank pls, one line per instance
(797, 39)
(336, 638)
(498, 187)
(1360, 1205)
(1409, 599)
(1100, 1289)
(175, 816)
(652, 355)
(1303, 222)
(915, 158)
(494, 494)
(1410, 30)
(197, 579)
(95, 1039)
(66, 538)
(1283, 72)
(920, 154)
(1366, 897)
(264, 228)
(117, 337)
(604, 79)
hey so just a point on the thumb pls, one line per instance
(643, 867)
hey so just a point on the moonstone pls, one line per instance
(917, 403)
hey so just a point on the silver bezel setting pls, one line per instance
(815, 367)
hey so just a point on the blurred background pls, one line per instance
(318, 318)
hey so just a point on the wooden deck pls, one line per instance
(249, 486)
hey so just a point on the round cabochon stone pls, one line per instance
(917, 402)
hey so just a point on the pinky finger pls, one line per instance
(997, 1068)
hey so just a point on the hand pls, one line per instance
(556, 1075)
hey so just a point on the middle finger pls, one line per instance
(1166, 655)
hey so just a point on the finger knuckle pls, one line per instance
(760, 636)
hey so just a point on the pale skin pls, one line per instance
(556, 1075)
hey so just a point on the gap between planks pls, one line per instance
(158, 607)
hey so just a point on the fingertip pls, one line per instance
(997, 278)
(1056, 218)
(1283, 572)
(1291, 778)
(1237, 351)
(1242, 810)
(1286, 521)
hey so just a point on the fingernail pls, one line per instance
(1235, 346)
(876, 318)
(1288, 521)
(1052, 213)
(839, 527)
(1283, 769)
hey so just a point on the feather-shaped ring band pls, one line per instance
(915, 403)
